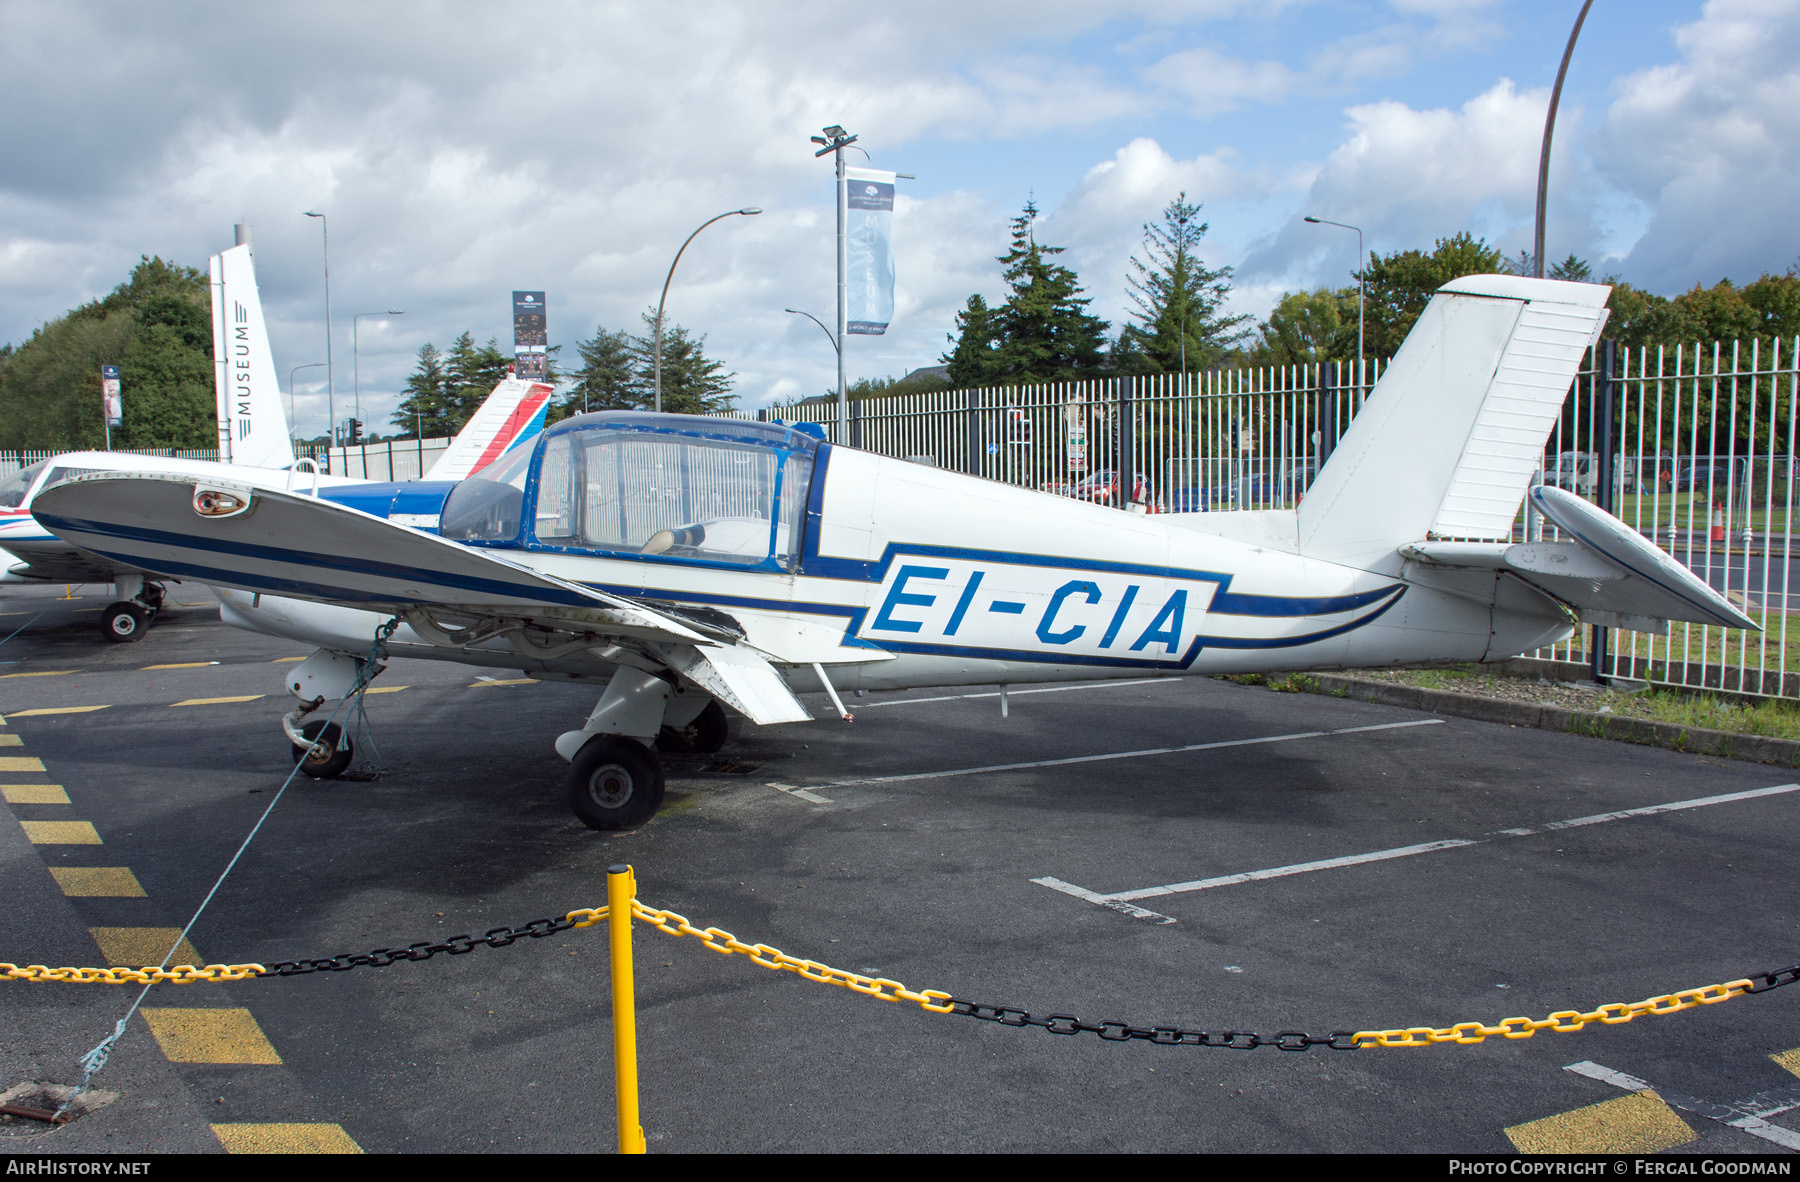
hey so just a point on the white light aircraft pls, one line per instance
(253, 445)
(690, 564)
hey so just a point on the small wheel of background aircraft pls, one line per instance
(693, 565)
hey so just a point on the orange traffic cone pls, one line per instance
(1718, 523)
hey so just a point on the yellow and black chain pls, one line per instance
(934, 1000)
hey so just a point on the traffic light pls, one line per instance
(355, 434)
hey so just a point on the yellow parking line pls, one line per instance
(21, 763)
(386, 689)
(137, 947)
(34, 794)
(213, 1035)
(513, 681)
(217, 701)
(44, 710)
(11, 741)
(183, 665)
(1789, 1060)
(41, 673)
(1638, 1123)
(285, 660)
(319, 1138)
(61, 833)
(98, 882)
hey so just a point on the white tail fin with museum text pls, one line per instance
(252, 428)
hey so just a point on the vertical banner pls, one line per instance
(530, 336)
(111, 396)
(869, 250)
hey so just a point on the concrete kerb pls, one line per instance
(1699, 741)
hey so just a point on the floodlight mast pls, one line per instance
(835, 140)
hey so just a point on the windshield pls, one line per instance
(486, 506)
(14, 487)
(733, 495)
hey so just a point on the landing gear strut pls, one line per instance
(128, 618)
(615, 779)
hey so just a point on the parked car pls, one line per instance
(1102, 488)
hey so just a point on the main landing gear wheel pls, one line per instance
(706, 734)
(124, 622)
(615, 783)
(340, 750)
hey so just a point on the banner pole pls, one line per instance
(621, 889)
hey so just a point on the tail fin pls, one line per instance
(512, 417)
(252, 428)
(1449, 438)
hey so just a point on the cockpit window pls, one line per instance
(722, 499)
(14, 487)
(486, 506)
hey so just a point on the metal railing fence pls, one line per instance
(1692, 445)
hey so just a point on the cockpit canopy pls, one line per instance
(715, 491)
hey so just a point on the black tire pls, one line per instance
(706, 734)
(332, 765)
(615, 783)
(124, 622)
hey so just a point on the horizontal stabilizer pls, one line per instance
(1608, 572)
(742, 680)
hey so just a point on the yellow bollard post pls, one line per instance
(621, 889)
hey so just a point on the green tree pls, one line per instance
(470, 374)
(156, 326)
(1307, 326)
(607, 379)
(692, 383)
(425, 409)
(1398, 287)
(1180, 300)
(1043, 333)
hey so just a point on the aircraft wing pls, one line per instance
(279, 543)
(1609, 573)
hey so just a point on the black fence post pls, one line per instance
(974, 456)
(1608, 412)
(856, 422)
(1327, 416)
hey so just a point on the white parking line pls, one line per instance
(1015, 693)
(1115, 898)
(811, 793)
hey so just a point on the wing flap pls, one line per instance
(741, 679)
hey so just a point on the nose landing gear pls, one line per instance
(126, 620)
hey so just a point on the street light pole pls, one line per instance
(1361, 266)
(834, 141)
(749, 211)
(822, 328)
(330, 386)
(356, 350)
(291, 373)
(1549, 127)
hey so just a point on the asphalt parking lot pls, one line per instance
(1177, 824)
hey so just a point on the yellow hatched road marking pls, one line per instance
(136, 947)
(1789, 1060)
(98, 882)
(11, 741)
(183, 665)
(386, 689)
(41, 673)
(212, 1035)
(319, 1138)
(21, 763)
(1638, 1123)
(43, 710)
(61, 833)
(513, 681)
(218, 701)
(285, 660)
(34, 794)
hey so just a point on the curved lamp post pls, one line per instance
(356, 350)
(1543, 191)
(820, 323)
(1361, 265)
(330, 409)
(291, 373)
(747, 212)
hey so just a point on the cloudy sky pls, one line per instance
(463, 150)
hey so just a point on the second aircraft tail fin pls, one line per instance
(512, 417)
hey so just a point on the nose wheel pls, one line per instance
(128, 619)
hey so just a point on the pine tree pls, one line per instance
(1180, 299)
(470, 375)
(972, 359)
(424, 409)
(692, 383)
(607, 379)
(1046, 333)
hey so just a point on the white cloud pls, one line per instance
(1711, 145)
